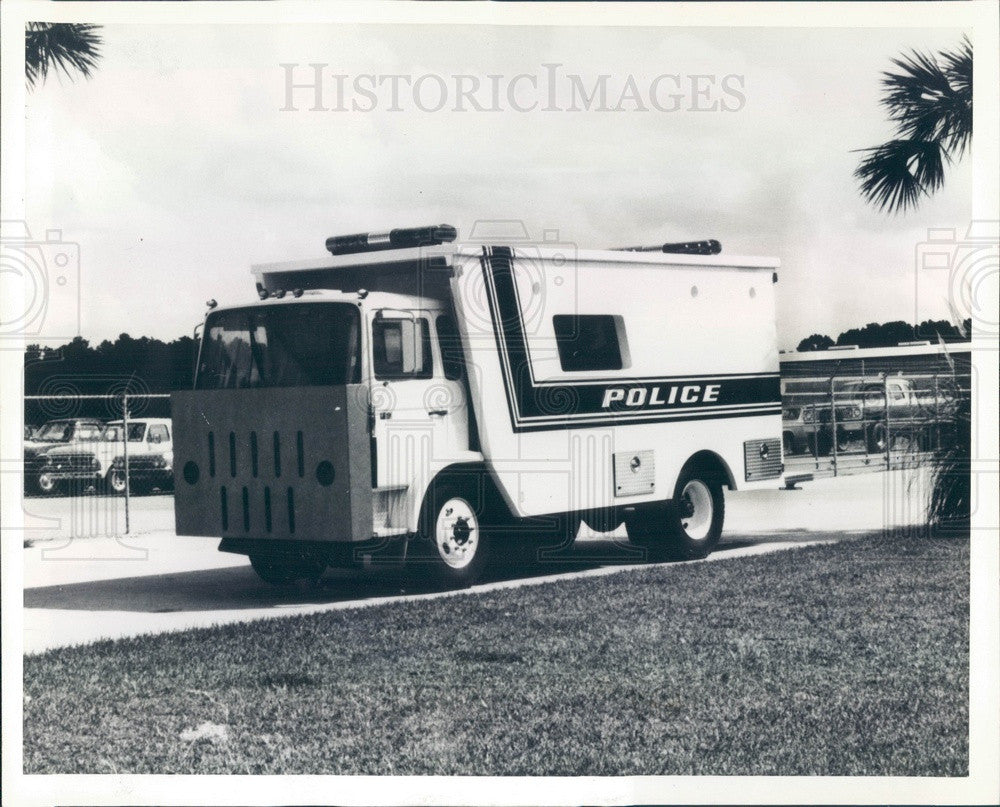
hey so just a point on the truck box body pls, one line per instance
(578, 380)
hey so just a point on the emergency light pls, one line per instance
(707, 247)
(394, 239)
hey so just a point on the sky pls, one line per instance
(175, 167)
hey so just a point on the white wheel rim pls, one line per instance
(46, 483)
(117, 482)
(456, 533)
(696, 510)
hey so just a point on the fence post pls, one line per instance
(888, 426)
(833, 423)
(814, 448)
(937, 414)
(125, 455)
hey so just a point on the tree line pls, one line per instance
(890, 334)
(147, 365)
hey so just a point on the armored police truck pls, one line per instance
(419, 399)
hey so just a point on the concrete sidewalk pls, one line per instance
(88, 587)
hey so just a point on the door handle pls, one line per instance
(437, 412)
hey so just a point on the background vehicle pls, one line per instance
(56, 433)
(883, 411)
(102, 463)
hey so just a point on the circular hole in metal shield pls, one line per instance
(324, 473)
(191, 472)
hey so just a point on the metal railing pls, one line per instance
(848, 423)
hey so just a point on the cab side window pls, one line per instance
(158, 434)
(401, 348)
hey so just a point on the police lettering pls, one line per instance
(635, 397)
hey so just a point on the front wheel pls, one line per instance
(455, 544)
(47, 483)
(116, 480)
(282, 571)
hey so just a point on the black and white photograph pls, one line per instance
(500, 403)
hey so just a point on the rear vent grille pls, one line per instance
(762, 459)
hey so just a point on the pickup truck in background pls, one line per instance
(101, 463)
(55, 434)
(884, 413)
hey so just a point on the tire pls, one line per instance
(686, 528)
(283, 570)
(788, 444)
(116, 481)
(820, 444)
(47, 484)
(455, 544)
(875, 440)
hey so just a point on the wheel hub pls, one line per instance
(697, 510)
(457, 533)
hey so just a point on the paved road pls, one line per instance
(82, 585)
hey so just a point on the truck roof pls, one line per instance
(444, 257)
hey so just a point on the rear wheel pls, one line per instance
(686, 528)
(788, 443)
(875, 439)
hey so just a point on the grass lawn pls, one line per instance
(849, 659)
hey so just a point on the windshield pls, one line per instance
(867, 392)
(64, 431)
(293, 345)
(136, 431)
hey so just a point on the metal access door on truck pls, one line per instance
(419, 417)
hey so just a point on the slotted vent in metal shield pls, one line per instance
(635, 473)
(762, 459)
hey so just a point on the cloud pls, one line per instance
(175, 168)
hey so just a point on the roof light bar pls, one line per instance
(394, 239)
(707, 247)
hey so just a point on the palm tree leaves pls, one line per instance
(930, 101)
(66, 47)
(896, 174)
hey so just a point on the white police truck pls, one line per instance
(413, 398)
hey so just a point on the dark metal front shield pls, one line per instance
(284, 463)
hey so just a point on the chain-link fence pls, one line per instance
(121, 444)
(849, 423)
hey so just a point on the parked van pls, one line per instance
(441, 401)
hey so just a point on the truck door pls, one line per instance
(419, 413)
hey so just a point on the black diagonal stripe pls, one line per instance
(610, 401)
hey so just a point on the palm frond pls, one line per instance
(958, 68)
(896, 174)
(65, 47)
(930, 100)
(919, 98)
